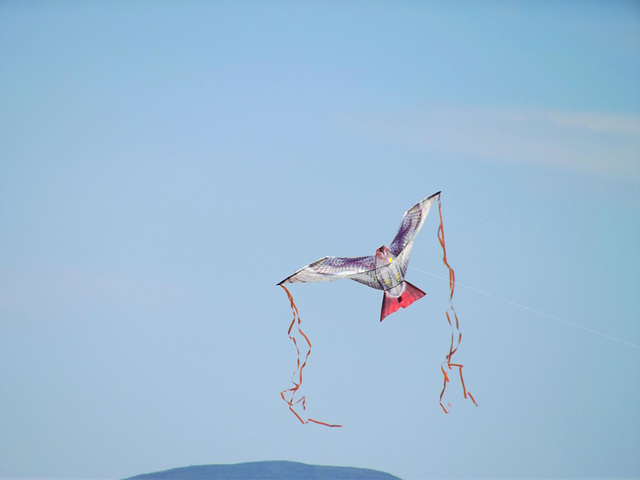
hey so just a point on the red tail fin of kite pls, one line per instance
(392, 304)
(297, 375)
(410, 295)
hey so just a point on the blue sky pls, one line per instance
(164, 164)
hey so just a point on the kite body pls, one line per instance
(397, 291)
(383, 271)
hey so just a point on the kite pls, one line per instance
(383, 271)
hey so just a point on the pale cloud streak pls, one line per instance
(594, 143)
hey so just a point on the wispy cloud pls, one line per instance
(596, 143)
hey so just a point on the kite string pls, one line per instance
(455, 339)
(297, 375)
(533, 310)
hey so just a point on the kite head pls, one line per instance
(383, 256)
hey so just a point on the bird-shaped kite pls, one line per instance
(384, 271)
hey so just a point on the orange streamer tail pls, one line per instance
(289, 395)
(456, 335)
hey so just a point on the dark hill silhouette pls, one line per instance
(275, 470)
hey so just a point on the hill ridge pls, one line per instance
(266, 470)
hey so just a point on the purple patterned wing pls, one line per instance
(411, 224)
(328, 269)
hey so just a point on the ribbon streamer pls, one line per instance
(456, 334)
(289, 395)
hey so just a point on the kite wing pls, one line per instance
(411, 224)
(328, 269)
